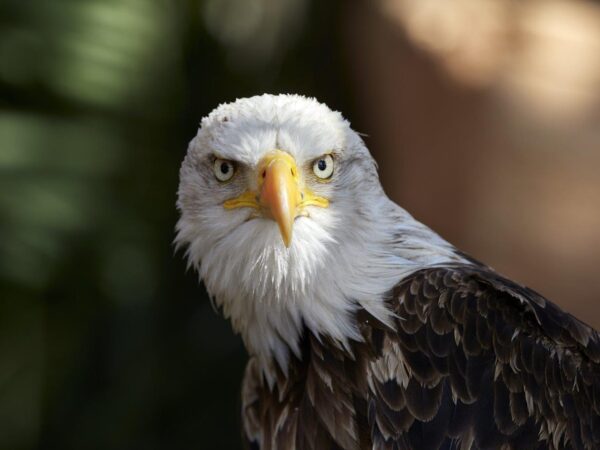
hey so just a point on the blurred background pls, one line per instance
(484, 116)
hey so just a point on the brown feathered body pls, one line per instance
(473, 361)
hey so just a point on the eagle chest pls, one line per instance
(320, 404)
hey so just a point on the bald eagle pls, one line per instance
(364, 328)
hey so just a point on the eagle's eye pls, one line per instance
(323, 167)
(223, 169)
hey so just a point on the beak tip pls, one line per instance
(287, 240)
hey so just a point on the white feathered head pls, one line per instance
(284, 218)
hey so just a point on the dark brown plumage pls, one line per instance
(475, 361)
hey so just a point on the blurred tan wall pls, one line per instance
(485, 120)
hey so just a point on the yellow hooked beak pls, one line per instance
(280, 196)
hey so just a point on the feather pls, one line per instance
(506, 383)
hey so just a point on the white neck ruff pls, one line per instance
(269, 292)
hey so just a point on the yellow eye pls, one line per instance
(223, 169)
(323, 167)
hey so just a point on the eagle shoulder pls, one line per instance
(480, 361)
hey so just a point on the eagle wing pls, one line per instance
(477, 361)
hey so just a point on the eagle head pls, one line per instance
(284, 218)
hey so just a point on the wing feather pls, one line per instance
(492, 364)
